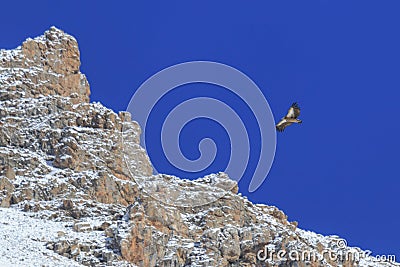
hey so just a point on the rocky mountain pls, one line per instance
(77, 189)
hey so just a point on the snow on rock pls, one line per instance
(23, 240)
(77, 189)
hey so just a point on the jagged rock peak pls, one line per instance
(46, 65)
(76, 187)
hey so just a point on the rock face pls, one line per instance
(64, 159)
(47, 65)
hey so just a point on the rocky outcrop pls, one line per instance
(46, 65)
(67, 160)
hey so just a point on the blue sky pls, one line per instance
(337, 173)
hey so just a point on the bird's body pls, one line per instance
(290, 118)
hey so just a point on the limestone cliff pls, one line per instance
(62, 160)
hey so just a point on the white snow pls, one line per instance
(23, 240)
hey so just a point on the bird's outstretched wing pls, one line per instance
(282, 125)
(293, 112)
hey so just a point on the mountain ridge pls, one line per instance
(68, 161)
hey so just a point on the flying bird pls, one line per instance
(290, 118)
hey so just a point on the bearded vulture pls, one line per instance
(291, 117)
